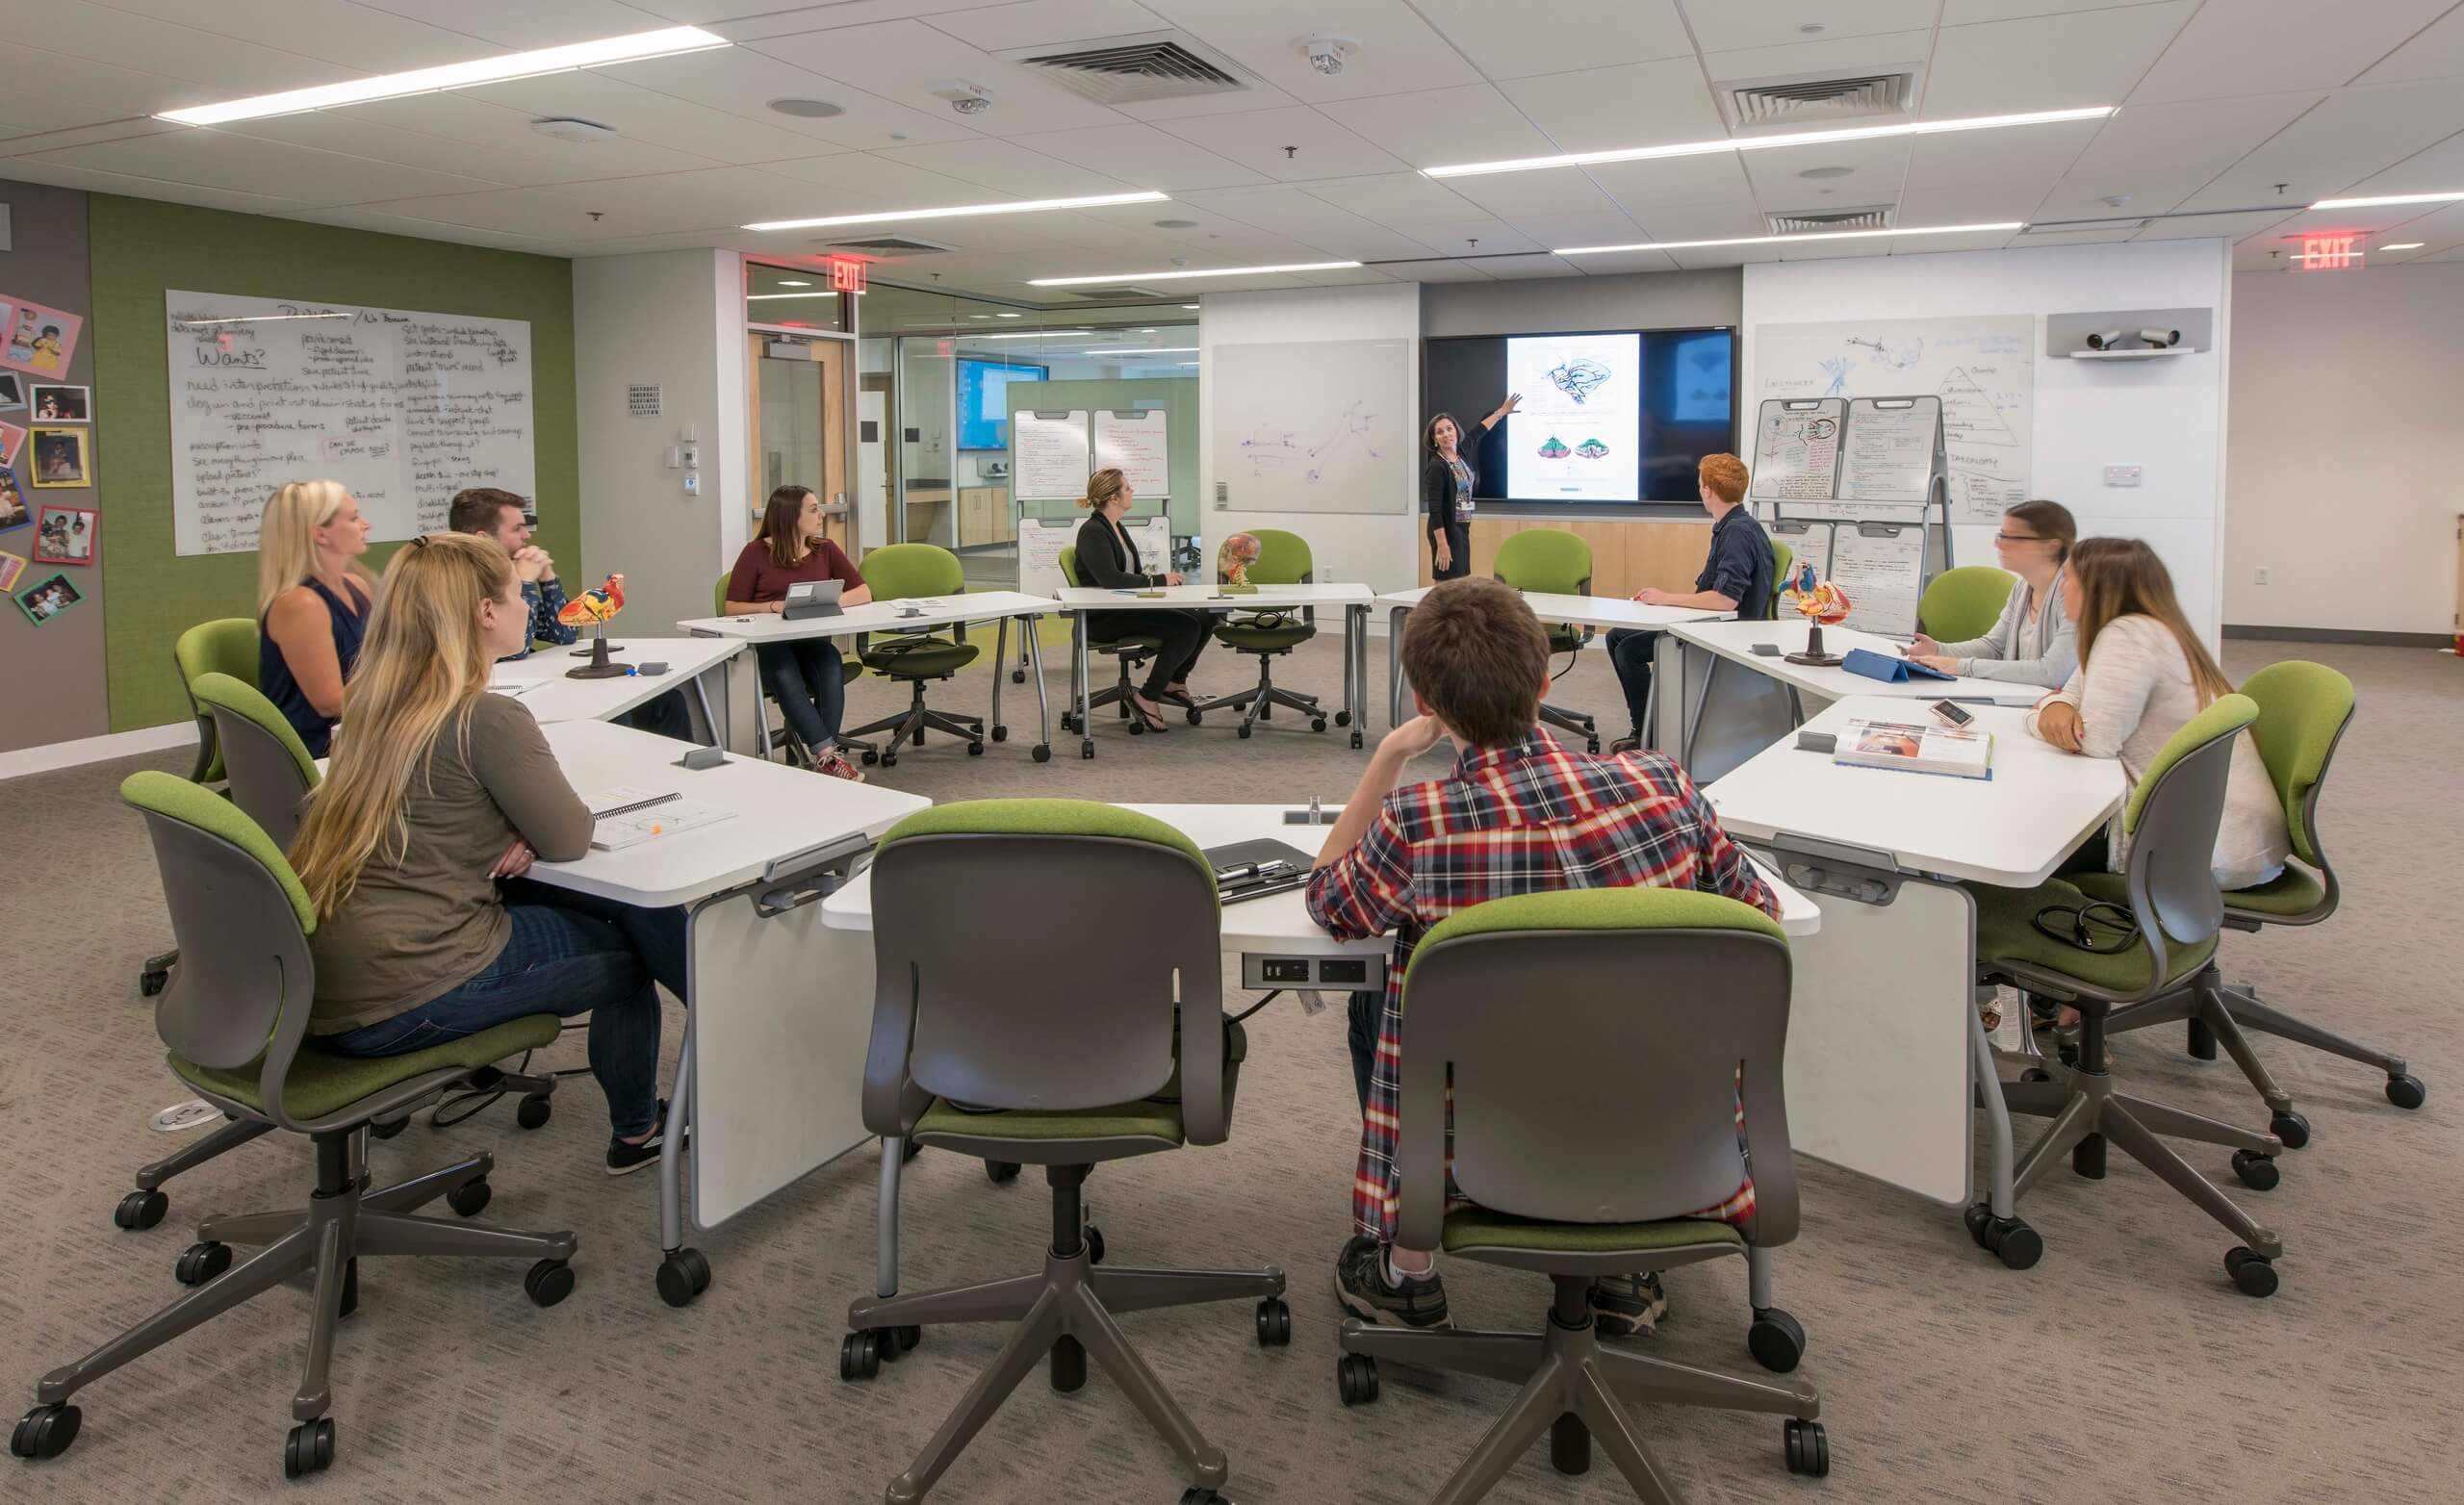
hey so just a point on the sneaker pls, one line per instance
(837, 765)
(623, 1158)
(1362, 1286)
(1628, 1306)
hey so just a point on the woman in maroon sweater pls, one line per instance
(801, 676)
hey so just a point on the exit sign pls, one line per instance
(2328, 253)
(846, 274)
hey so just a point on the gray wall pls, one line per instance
(1639, 300)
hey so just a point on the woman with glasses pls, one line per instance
(2035, 641)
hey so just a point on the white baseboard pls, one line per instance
(96, 750)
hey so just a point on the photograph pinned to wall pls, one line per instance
(12, 565)
(10, 437)
(63, 404)
(13, 392)
(13, 502)
(59, 457)
(67, 535)
(45, 601)
(42, 339)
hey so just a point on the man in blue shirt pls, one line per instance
(1736, 577)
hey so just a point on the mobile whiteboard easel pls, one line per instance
(1860, 488)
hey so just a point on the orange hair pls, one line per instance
(1724, 476)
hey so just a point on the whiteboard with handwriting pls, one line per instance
(404, 408)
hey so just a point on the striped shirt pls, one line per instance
(1527, 817)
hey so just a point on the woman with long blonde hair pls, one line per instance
(312, 604)
(413, 850)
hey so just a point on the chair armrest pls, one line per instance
(893, 1101)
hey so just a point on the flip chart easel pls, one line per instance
(1860, 488)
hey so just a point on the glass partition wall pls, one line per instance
(800, 367)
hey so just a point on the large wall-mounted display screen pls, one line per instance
(1608, 417)
(1572, 439)
(984, 400)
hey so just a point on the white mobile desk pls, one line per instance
(1886, 1052)
(1726, 717)
(1278, 944)
(770, 1080)
(889, 617)
(541, 685)
(1582, 611)
(1083, 600)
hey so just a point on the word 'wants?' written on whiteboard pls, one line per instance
(403, 408)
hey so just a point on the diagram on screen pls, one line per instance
(1591, 450)
(1578, 378)
(1283, 453)
(1554, 448)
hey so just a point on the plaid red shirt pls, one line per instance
(1530, 817)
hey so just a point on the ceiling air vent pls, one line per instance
(1136, 69)
(1795, 101)
(887, 245)
(1813, 221)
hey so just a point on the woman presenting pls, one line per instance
(1107, 558)
(1447, 481)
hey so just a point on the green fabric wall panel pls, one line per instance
(142, 249)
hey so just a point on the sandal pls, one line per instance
(1154, 719)
(1176, 697)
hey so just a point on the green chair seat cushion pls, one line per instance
(192, 804)
(1479, 1228)
(920, 658)
(2297, 891)
(1156, 1117)
(2006, 932)
(1263, 640)
(322, 1083)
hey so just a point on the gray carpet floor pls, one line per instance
(2124, 1367)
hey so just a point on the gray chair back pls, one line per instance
(267, 781)
(2173, 819)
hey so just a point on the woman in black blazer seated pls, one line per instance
(1447, 481)
(1107, 558)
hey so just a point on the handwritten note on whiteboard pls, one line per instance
(1890, 449)
(1048, 455)
(1796, 450)
(403, 408)
(1881, 567)
(1138, 443)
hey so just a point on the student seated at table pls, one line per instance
(414, 846)
(502, 516)
(801, 676)
(1517, 815)
(2143, 674)
(1107, 558)
(2033, 641)
(1736, 576)
(312, 604)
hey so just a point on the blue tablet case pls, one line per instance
(1887, 669)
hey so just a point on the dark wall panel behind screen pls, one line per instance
(1689, 404)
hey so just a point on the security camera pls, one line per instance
(2105, 340)
(2161, 338)
(1326, 54)
(965, 97)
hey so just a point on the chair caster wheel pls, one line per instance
(682, 1276)
(200, 1262)
(381, 1130)
(2251, 1272)
(1343, 717)
(904, 1340)
(1093, 1239)
(140, 1210)
(1809, 1448)
(309, 1448)
(1357, 1378)
(890, 760)
(859, 1356)
(1195, 1495)
(1137, 728)
(1591, 745)
(2036, 1074)
(2008, 1239)
(1242, 731)
(975, 750)
(1087, 749)
(148, 984)
(1274, 1323)
(1068, 723)
(1316, 724)
(1196, 717)
(1017, 676)
(46, 1431)
(1000, 733)
(1001, 1172)
(535, 1110)
(1355, 741)
(2258, 1172)
(471, 1198)
(1776, 1340)
(2290, 1127)
(2407, 1091)
(551, 1281)
(1042, 752)
(871, 758)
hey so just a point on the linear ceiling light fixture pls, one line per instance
(1794, 240)
(2387, 199)
(1178, 276)
(1145, 350)
(1026, 206)
(2405, 245)
(1861, 132)
(1023, 334)
(759, 297)
(457, 75)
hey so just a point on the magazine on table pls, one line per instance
(1918, 748)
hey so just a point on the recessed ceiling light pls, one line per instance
(1189, 305)
(1020, 207)
(1824, 174)
(979, 315)
(1146, 331)
(2386, 199)
(1179, 276)
(1777, 239)
(2405, 245)
(1009, 315)
(807, 109)
(664, 43)
(1865, 133)
(790, 282)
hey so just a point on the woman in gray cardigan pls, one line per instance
(2034, 642)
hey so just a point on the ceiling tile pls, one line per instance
(743, 82)
(1704, 222)
(31, 169)
(1395, 51)
(1518, 267)
(62, 90)
(405, 224)
(277, 169)
(1964, 13)
(1453, 238)
(2350, 138)
(1723, 25)
(1637, 104)
(903, 60)
(233, 67)
(1936, 245)
(2155, 156)
(363, 38)
(2437, 52)
(1446, 271)
(2050, 61)
(1395, 198)
(1469, 123)
(1040, 23)
(2024, 153)
(1640, 187)
(530, 23)
(1142, 157)
(2433, 170)
(851, 183)
(1875, 170)
(1618, 263)
(1518, 197)
(1844, 55)
(1986, 202)
(750, 20)
(2099, 237)
(1256, 139)
(1707, 258)
(1502, 41)
(645, 115)
(2200, 228)
(711, 198)
(2264, 46)
(1009, 169)
(512, 155)
(30, 141)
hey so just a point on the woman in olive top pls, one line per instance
(440, 791)
(312, 604)
(2033, 641)
(1108, 557)
(1447, 482)
(801, 676)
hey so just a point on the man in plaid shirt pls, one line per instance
(1519, 814)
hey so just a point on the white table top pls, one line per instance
(875, 616)
(1266, 598)
(781, 811)
(2012, 829)
(1735, 640)
(1585, 611)
(553, 698)
(1279, 923)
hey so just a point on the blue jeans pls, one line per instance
(804, 677)
(565, 960)
(1630, 650)
(667, 716)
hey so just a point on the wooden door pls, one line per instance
(797, 419)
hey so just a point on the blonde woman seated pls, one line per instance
(413, 849)
(312, 604)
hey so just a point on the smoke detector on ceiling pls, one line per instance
(965, 97)
(1326, 54)
(566, 128)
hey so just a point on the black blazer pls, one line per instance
(1110, 559)
(1437, 491)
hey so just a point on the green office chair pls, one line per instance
(227, 644)
(1587, 1174)
(766, 736)
(902, 570)
(2160, 938)
(1558, 563)
(1783, 559)
(1965, 603)
(2303, 712)
(1128, 650)
(1283, 559)
(235, 1016)
(1068, 1057)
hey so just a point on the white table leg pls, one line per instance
(1086, 683)
(1030, 629)
(1000, 656)
(1395, 619)
(1355, 671)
